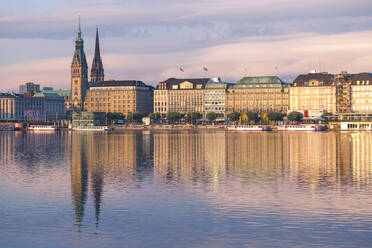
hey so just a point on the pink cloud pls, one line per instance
(289, 54)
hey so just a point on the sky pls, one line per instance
(150, 40)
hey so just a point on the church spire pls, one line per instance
(97, 52)
(97, 72)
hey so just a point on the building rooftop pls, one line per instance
(324, 79)
(114, 83)
(185, 83)
(361, 78)
(47, 95)
(260, 82)
(9, 95)
(191, 80)
(217, 83)
(63, 93)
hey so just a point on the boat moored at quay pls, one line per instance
(301, 127)
(256, 128)
(42, 128)
(92, 128)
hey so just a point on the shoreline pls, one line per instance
(170, 127)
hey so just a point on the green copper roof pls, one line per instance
(63, 93)
(47, 95)
(261, 82)
(79, 48)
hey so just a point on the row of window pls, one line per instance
(179, 109)
(109, 105)
(363, 101)
(255, 97)
(113, 93)
(362, 107)
(109, 99)
(362, 89)
(214, 103)
(215, 109)
(160, 103)
(256, 108)
(252, 102)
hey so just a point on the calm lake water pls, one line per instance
(185, 189)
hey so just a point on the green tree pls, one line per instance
(114, 116)
(69, 115)
(252, 116)
(155, 116)
(274, 116)
(119, 116)
(234, 116)
(326, 114)
(193, 116)
(130, 116)
(211, 116)
(109, 117)
(173, 116)
(295, 116)
(137, 116)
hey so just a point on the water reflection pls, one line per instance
(311, 159)
(96, 158)
(230, 171)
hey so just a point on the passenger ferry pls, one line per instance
(92, 128)
(366, 126)
(300, 127)
(49, 128)
(6, 128)
(249, 128)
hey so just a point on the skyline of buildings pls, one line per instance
(312, 94)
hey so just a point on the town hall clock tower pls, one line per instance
(79, 74)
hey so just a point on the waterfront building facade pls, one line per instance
(161, 99)
(119, 97)
(361, 93)
(180, 95)
(313, 94)
(316, 93)
(41, 106)
(215, 98)
(79, 75)
(259, 94)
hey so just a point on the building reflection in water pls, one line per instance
(361, 153)
(310, 159)
(121, 160)
(100, 157)
(189, 156)
(30, 151)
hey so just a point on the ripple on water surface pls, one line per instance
(185, 189)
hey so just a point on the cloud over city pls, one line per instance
(148, 40)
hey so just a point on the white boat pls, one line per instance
(300, 127)
(92, 128)
(6, 128)
(249, 128)
(49, 128)
(366, 126)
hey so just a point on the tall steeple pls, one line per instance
(79, 74)
(97, 72)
